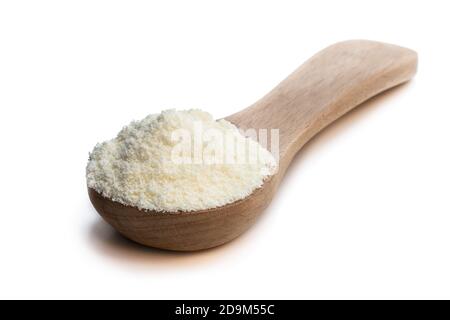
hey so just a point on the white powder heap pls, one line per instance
(138, 167)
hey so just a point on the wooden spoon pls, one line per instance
(327, 86)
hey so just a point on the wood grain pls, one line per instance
(327, 86)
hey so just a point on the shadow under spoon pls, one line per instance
(328, 85)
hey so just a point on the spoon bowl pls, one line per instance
(185, 231)
(331, 83)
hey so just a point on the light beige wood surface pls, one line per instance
(328, 85)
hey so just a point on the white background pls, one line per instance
(363, 212)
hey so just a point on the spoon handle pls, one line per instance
(324, 88)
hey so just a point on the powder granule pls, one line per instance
(140, 168)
